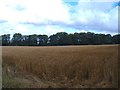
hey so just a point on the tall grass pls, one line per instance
(70, 66)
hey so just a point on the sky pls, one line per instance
(52, 16)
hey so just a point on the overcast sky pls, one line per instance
(52, 16)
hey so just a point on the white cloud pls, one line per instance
(90, 15)
(98, 16)
(33, 10)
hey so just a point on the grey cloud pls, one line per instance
(98, 26)
(94, 22)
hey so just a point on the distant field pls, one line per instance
(61, 66)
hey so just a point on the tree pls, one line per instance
(0, 40)
(53, 40)
(76, 39)
(60, 38)
(17, 39)
(83, 38)
(25, 41)
(90, 38)
(70, 40)
(99, 39)
(5, 39)
(108, 39)
(116, 39)
(32, 40)
(42, 40)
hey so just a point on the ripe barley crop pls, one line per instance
(67, 66)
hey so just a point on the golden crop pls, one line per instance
(67, 66)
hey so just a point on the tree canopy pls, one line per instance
(60, 38)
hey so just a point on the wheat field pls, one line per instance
(62, 66)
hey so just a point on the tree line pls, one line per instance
(60, 38)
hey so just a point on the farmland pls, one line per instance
(60, 66)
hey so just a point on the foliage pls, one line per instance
(60, 38)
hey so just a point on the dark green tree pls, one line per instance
(17, 39)
(42, 40)
(83, 38)
(116, 39)
(108, 39)
(99, 39)
(6, 39)
(62, 38)
(32, 40)
(90, 38)
(53, 40)
(71, 39)
(76, 39)
(25, 41)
